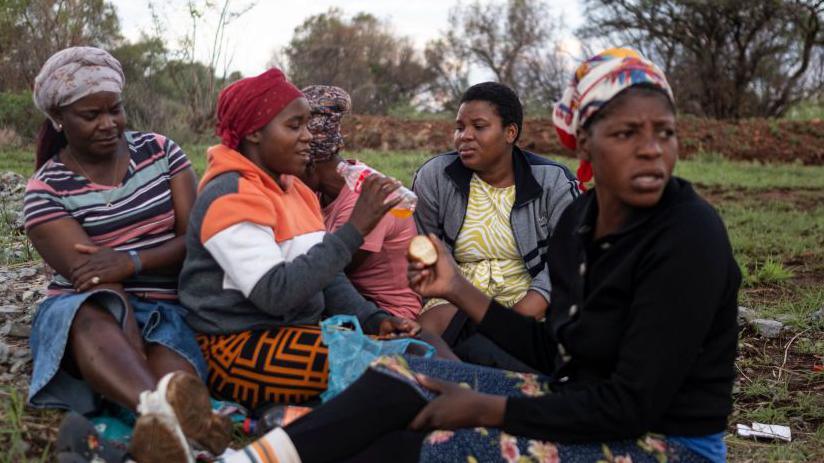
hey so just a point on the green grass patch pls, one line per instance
(793, 302)
(711, 169)
(806, 111)
(766, 273)
(766, 233)
(15, 433)
(18, 160)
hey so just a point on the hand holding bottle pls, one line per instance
(354, 176)
(374, 202)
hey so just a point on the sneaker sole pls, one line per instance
(157, 439)
(189, 398)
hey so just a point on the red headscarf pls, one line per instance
(250, 103)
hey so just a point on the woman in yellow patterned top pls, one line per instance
(494, 205)
(486, 251)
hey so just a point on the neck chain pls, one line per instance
(107, 196)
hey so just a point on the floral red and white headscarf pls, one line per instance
(595, 82)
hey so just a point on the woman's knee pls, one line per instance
(93, 319)
(437, 318)
(163, 359)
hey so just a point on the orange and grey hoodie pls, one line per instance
(257, 255)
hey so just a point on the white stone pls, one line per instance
(27, 272)
(9, 309)
(745, 315)
(767, 328)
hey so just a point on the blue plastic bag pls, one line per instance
(351, 351)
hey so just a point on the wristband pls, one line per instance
(138, 265)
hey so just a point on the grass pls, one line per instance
(712, 169)
(767, 273)
(806, 111)
(775, 217)
(16, 432)
(17, 160)
(13, 411)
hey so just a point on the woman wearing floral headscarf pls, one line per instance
(107, 209)
(639, 360)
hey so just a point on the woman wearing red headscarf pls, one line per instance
(260, 269)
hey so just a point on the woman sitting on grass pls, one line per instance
(378, 268)
(107, 209)
(494, 206)
(261, 271)
(639, 360)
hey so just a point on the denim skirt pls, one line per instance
(52, 386)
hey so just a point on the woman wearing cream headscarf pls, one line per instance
(107, 209)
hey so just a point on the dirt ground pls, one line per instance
(752, 139)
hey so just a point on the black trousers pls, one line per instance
(473, 347)
(366, 422)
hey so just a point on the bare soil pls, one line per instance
(801, 199)
(764, 140)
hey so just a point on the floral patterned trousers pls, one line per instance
(482, 445)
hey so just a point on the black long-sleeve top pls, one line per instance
(641, 332)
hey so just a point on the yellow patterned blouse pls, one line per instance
(485, 249)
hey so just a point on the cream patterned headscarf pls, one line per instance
(74, 73)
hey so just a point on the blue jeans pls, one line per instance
(53, 387)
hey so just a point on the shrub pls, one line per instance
(17, 112)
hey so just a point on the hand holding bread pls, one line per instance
(432, 271)
(422, 250)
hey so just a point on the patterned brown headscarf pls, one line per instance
(329, 104)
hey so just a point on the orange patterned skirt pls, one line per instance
(284, 365)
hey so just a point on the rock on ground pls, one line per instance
(767, 328)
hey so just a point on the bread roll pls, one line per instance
(422, 250)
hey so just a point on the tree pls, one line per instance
(32, 30)
(450, 64)
(149, 95)
(197, 85)
(360, 55)
(725, 59)
(513, 41)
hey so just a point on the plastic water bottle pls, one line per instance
(355, 174)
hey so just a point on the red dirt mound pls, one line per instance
(750, 139)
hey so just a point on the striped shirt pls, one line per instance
(136, 214)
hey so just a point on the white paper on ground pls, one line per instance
(769, 431)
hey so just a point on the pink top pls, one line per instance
(382, 276)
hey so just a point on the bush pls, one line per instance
(17, 112)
